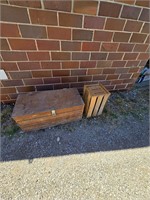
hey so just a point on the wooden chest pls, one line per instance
(36, 110)
(95, 97)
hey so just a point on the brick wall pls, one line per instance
(56, 44)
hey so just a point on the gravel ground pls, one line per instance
(105, 157)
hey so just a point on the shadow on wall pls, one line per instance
(85, 136)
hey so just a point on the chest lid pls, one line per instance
(55, 101)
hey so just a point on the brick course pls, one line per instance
(49, 45)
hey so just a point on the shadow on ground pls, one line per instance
(123, 125)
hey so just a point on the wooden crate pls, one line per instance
(36, 110)
(95, 97)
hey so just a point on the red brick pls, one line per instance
(128, 81)
(109, 9)
(20, 75)
(90, 46)
(33, 4)
(8, 66)
(64, 5)
(51, 80)
(132, 63)
(134, 70)
(4, 45)
(80, 56)
(114, 24)
(131, 2)
(4, 97)
(115, 56)
(61, 86)
(70, 65)
(41, 73)
(118, 64)
(84, 78)
(143, 56)
(140, 47)
(28, 65)
(43, 17)
(105, 83)
(136, 75)
(48, 45)
(145, 15)
(108, 71)
(30, 31)
(14, 14)
(104, 64)
(38, 56)
(133, 26)
(7, 83)
(69, 79)
(59, 33)
(94, 22)
(26, 89)
(99, 77)
(22, 44)
(79, 34)
(103, 36)
(119, 87)
(121, 70)
(129, 86)
(109, 46)
(142, 3)
(70, 46)
(122, 76)
(87, 64)
(50, 65)
(61, 73)
(9, 30)
(130, 56)
(130, 12)
(125, 47)
(9, 101)
(121, 37)
(1, 85)
(70, 20)
(77, 72)
(33, 81)
(44, 87)
(13, 56)
(98, 56)
(13, 96)
(148, 49)
(109, 87)
(94, 71)
(148, 39)
(112, 77)
(77, 85)
(8, 90)
(146, 28)
(142, 63)
(60, 56)
(138, 38)
(85, 7)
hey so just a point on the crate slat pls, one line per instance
(97, 106)
(91, 107)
